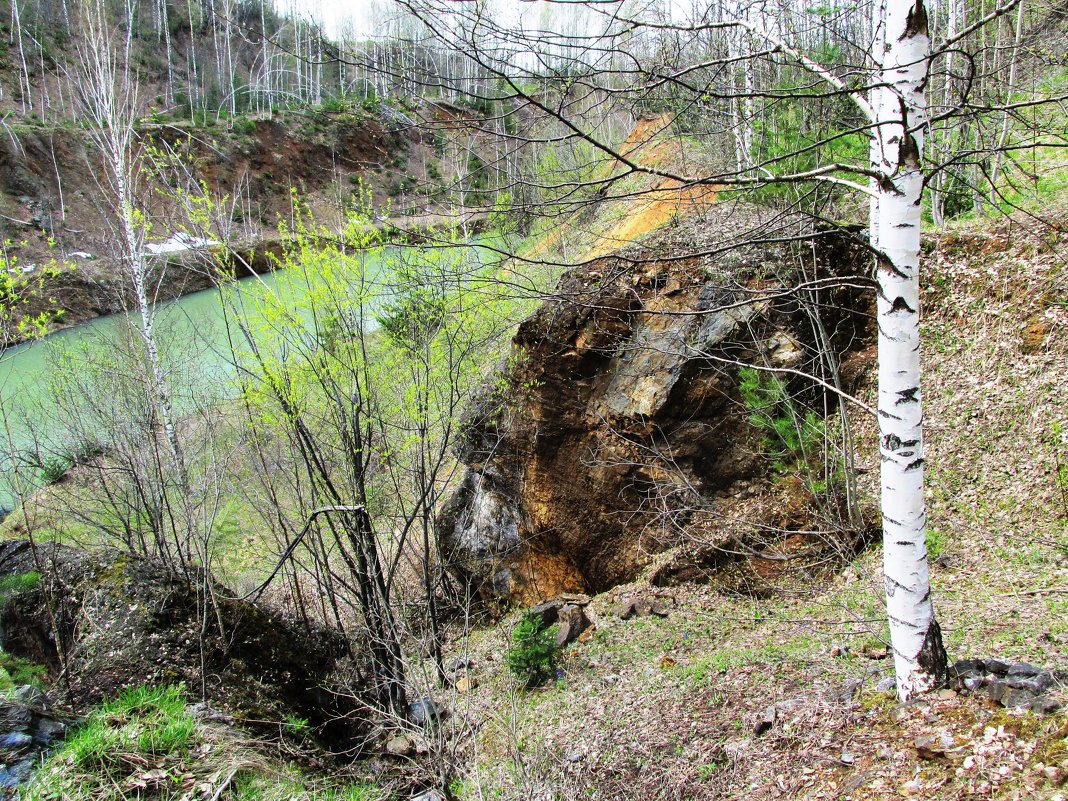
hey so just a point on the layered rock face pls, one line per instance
(620, 414)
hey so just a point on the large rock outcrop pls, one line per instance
(620, 414)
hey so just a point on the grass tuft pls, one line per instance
(145, 743)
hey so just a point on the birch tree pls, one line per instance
(900, 117)
(107, 91)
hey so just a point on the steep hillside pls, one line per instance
(315, 166)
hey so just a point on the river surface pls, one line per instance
(192, 331)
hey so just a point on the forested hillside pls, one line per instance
(552, 400)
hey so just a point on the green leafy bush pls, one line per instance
(54, 469)
(243, 125)
(534, 655)
(333, 105)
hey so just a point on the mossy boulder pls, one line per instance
(127, 621)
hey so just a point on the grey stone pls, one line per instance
(29, 695)
(783, 350)
(1044, 705)
(997, 691)
(641, 606)
(14, 715)
(399, 746)
(572, 622)
(15, 740)
(459, 665)
(49, 730)
(887, 685)
(424, 711)
(429, 795)
(481, 530)
(999, 666)
(25, 733)
(1024, 669)
(18, 773)
(964, 666)
(718, 326)
(658, 609)
(1035, 684)
(548, 611)
(1017, 698)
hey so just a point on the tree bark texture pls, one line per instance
(919, 658)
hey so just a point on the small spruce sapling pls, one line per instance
(534, 655)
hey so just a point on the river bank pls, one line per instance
(90, 289)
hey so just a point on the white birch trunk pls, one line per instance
(919, 657)
(108, 96)
(875, 100)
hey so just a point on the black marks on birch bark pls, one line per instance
(909, 152)
(888, 266)
(901, 305)
(908, 396)
(916, 22)
(887, 187)
(892, 442)
(932, 656)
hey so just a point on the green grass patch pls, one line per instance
(258, 786)
(16, 671)
(141, 721)
(704, 668)
(16, 584)
(134, 742)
